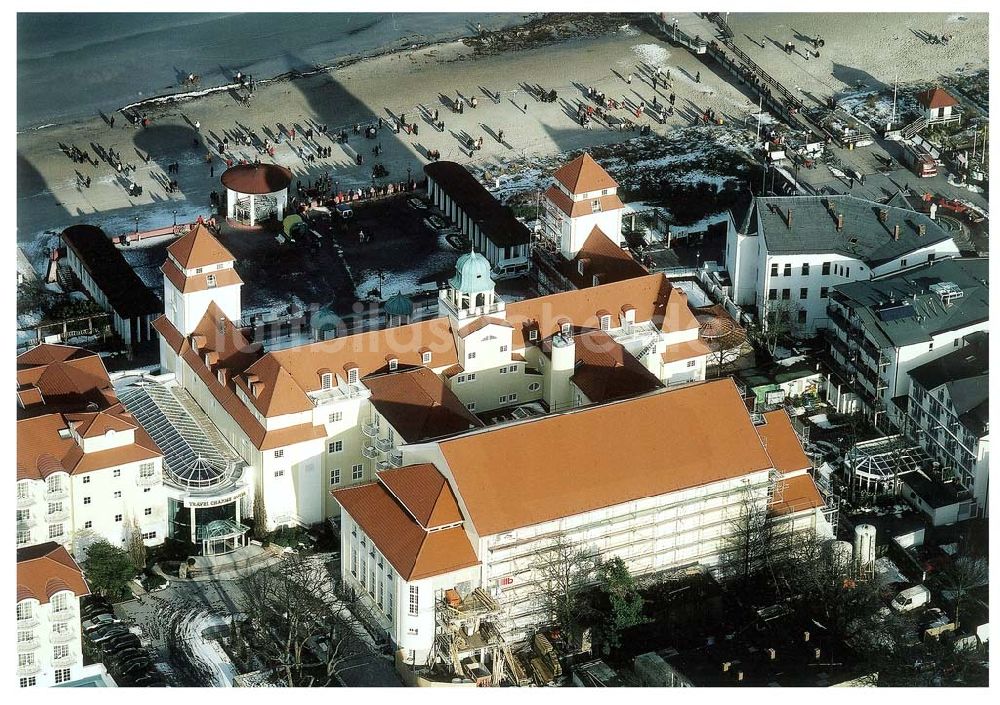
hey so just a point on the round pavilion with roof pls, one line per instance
(398, 309)
(256, 192)
(471, 291)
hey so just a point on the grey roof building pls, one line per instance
(871, 232)
(880, 330)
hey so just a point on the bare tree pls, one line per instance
(134, 544)
(285, 609)
(565, 571)
(962, 576)
(259, 514)
(754, 539)
(779, 319)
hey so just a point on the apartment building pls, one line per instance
(790, 252)
(467, 517)
(300, 418)
(948, 412)
(49, 587)
(86, 469)
(882, 329)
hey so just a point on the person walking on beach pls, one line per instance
(500, 136)
(628, 79)
(112, 120)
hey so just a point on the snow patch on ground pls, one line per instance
(652, 54)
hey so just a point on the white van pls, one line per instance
(911, 598)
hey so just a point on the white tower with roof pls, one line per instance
(471, 292)
(582, 197)
(198, 271)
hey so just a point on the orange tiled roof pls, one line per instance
(936, 98)
(199, 248)
(583, 175)
(44, 570)
(61, 377)
(604, 259)
(481, 323)
(561, 465)
(798, 494)
(198, 282)
(275, 393)
(424, 492)
(91, 424)
(413, 551)
(652, 297)
(684, 351)
(781, 443)
(419, 405)
(575, 209)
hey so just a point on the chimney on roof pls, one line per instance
(840, 222)
(895, 231)
(788, 221)
(739, 675)
(883, 215)
(921, 229)
(772, 653)
(805, 636)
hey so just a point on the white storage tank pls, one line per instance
(841, 555)
(864, 546)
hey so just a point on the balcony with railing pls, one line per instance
(396, 458)
(370, 452)
(383, 444)
(62, 615)
(56, 494)
(26, 645)
(67, 660)
(27, 622)
(63, 637)
(28, 669)
(26, 501)
(60, 515)
(836, 315)
(370, 430)
(383, 465)
(25, 523)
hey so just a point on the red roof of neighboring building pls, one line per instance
(61, 378)
(936, 98)
(781, 443)
(418, 404)
(45, 569)
(256, 179)
(797, 494)
(583, 175)
(601, 257)
(425, 494)
(575, 209)
(413, 551)
(605, 370)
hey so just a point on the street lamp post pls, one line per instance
(137, 225)
(175, 220)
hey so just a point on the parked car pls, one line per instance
(135, 669)
(94, 609)
(100, 620)
(345, 211)
(121, 642)
(119, 657)
(102, 634)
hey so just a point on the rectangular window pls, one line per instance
(60, 651)
(826, 268)
(279, 473)
(691, 363)
(788, 270)
(335, 476)
(23, 537)
(786, 294)
(335, 446)
(28, 682)
(471, 376)
(118, 494)
(848, 272)
(118, 517)
(118, 472)
(149, 535)
(503, 348)
(199, 270)
(335, 417)
(148, 511)
(381, 594)
(388, 605)
(512, 397)
(393, 365)
(774, 269)
(55, 531)
(371, 582)
(414, 600)
(605, 322)
(211, 281)
(86, 500)
(357, 471)
(772, 294)
(279, 453)
(824, 292)
(471, 356)
(354, 562)
(802, 318)
(471, 406)
(805, 269)
(147, 470)
(86, 479)
(425, 358)
(595, 205)
(62, 675)
(902, 263)
(88, 525)
(326, 380)
(532, 334)
(804, 293)
(352, 375)
(503, 399)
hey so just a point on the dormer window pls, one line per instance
(425, 357)
(211, 281)
(352, 375)
(199, 270)
(606, 322)
(326, 380)
(533, 334)
(565, 327)
(579, 267)
(595, 205)
(393, 364)
(595, 280)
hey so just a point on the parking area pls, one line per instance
(125, 650)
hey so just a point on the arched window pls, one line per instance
(480, 299)
(326, 380)
(352, 375)
(25, 609)
(60, 602)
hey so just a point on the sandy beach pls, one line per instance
(404, 83)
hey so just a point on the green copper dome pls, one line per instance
(398, 305)
(472, 274)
